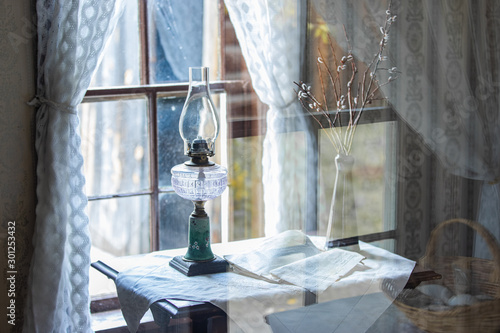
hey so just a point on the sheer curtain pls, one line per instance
(448, 53)
(459, 88)
(448, 92)
(270, 34)
(71, 37)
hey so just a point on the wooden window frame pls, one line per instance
(247, 120)
(242, 121)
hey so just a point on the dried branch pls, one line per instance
(356, 98)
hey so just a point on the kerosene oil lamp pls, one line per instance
(199, 179)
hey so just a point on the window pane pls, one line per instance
(245, 188)
(176, 38)
(120, 63)
(372, 185)
(115, 146)
(170, 144)
(180, 37)
(120, 226)
(174, 217)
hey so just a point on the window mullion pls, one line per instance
(154, 180)
(143, 32)
(153, 128)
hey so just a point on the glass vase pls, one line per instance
(342, 226)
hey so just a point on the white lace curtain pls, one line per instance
(270, 34)
(71, 37)
(455, 101)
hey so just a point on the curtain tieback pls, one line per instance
(39, 101)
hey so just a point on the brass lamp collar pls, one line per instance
(199, 161)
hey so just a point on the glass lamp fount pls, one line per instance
(199, 179)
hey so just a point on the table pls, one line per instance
(207, 317)
(201, 314)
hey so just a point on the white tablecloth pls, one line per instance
(250, 300)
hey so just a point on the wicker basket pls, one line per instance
(483, 316)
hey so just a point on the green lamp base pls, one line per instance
(193, 268)
(199, 258)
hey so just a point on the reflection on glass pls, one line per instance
(120, 62)
(119, 226)
(371, 186)
(115, 146)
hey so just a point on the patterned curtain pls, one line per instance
(71, 37)
(451, 57)
(448, 94)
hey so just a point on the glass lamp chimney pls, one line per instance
(198, 125)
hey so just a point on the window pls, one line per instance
(130, 139)
(421, 160)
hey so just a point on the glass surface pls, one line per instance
(170, 144)
(245, 188)
(174, 218)
(448, 78)
(175, 38)
(115, 146)
(120, 63)
(119, 226)
(370, 185)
